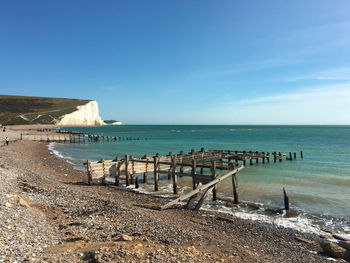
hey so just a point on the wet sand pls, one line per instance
(49, 214)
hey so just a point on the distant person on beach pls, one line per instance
(7, 141)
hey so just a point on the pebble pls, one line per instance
(69, 221)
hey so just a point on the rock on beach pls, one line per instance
(334, 250)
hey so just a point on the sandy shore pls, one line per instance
(49, 214)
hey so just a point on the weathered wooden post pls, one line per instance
(301, 155)
(170, 167)
(286, 200)
(290, 156)
(132, 178)
(193, 172)
(220, 153)
(88, 164)
(127, 179)
(182, 161)
(235, 186)
(280, 156)
(117, 172)
(173, 164)
(213, 175)
(156, 174)
(250, 160)
(202, 155)
(137, 182)
(146, 170)
(295, 155)
(103, 181)
(263, 157)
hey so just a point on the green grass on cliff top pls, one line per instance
(17, 110)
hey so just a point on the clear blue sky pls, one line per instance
(183, 62)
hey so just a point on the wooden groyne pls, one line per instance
(74, 137)
(202, 166)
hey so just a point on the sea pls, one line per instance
(318, 185)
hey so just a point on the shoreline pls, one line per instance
(296, 219)
(80, 222)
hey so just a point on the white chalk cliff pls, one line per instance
(85, 115)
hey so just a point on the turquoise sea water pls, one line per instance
(318, 185)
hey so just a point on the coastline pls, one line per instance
(78, 222)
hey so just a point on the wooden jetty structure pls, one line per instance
(75, 137)
(202, 166)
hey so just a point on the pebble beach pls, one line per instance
(49, 214)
